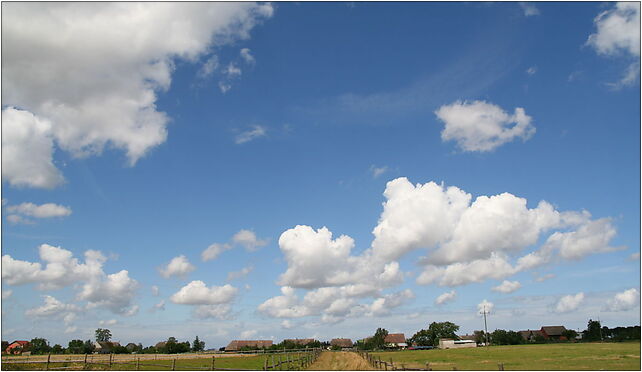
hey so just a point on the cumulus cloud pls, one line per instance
(481, 126)
(446, 297)
(240, 274)
(508, 287)
(47, 210)
(114, 292)
(220, 311)
(624, 301)
(569, 303)
(27, 150)
(485, 306)
(590, 238)
(529, 9)
(247, 56)
(19, 220)
(110, 98)
(178, 266)
(54, 309)
(618, 34)
(198, 293)
(257, 131)
(213, 251)
(248, 240)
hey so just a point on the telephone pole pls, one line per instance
(485, 325)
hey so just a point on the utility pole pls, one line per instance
(485, 325)
(600, 323)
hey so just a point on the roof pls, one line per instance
(530, 333)
(395, 338)
(300, 341)
(238, 344)
(23, 343)
(468, 337)
(160, 344)
(553, 330)
(342, 342)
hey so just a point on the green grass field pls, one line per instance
(563, 356)
(245, 362)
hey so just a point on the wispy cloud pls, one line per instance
(257, 131)
(529, 9)
(378, 171)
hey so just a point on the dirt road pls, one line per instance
(340, 361)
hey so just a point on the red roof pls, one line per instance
(395, 338)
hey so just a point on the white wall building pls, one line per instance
(449, 343)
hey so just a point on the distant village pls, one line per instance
(438, 335)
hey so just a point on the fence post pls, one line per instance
(265, 363)
(501, 366)
(272, 361)
(48, 359)
(392, 365)
(174, 364)
(110, 356)
(428, 366)
(138, 363)
(213, 361)
(84, 366)
(403, 367)
(454, 368)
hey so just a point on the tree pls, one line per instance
(378, 341)
(480, 337)
(198, 345)
(57, 349)
(5, 345)
(39, 346)
(593, 330)
(76, 347)
(88, 347)
(435, 331)
(103, 335)
(569, 334)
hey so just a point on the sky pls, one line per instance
(283, 170)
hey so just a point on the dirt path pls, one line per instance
(340, 361)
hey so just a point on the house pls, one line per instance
(104, 347)
(529, 335)
(17, 347)
(131, 347)
(553, 333)
(396, 340)
(344, 343)
(449, 343)
(300, 341)
(468, 337)
(236, 345)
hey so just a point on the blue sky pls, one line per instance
(317, 169)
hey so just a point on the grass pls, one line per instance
(563, 356)
(245, 362)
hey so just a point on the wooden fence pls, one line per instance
(291, 361)
(377, 363)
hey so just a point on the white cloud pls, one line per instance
(213, 251)
(529, 9)
(461, 273)
(508, 287)
(384, 305)
(240, 274)
(71, 329)
(6, 293)
(378, 171)
(248, 240)
(481, 126)
(486, 306)
(109, 322)
(618, 30)
(531, 70)
(114, 292)
(629, 77)
(197, 293)
(446, 297)
(624, 301)
(248, 334)
(19, 220)
(160, 306)
(220, 311)
(27, 150)
(284, 306)
(178, 266)
(635, 256)
(545, 277)
(590, 238)
(286, 324)
(155, 290)
(208, 68)
(54, 309)
(247, 56)
(47, 210)
(97, 86)
(224, 87)
(252, 134)
(569, 303)
(232, 70)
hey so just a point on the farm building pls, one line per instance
(104, 347)
(236, 345)
(449, 343)
(131, 347)
(553, 332)
(529, 335)
(344, 343)
(396, 340)
(17, 347)
(300, 341)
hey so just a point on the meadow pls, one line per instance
(562, 356)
